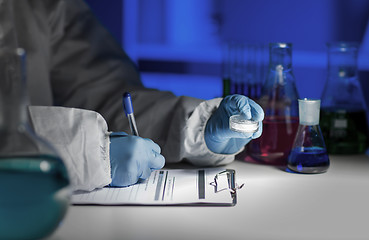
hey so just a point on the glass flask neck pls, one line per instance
(342, 60)
(280, 56)
(17, 139)
(13, 101)
(12, 69)
(279, 93)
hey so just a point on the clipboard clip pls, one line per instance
(222, 182)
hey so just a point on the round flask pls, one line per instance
(34, 184)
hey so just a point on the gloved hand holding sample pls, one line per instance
(218, 137)
(132, 158)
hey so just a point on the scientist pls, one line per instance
(76, 76)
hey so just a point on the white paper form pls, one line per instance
(167, 187)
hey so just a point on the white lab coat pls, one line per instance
(77, 73)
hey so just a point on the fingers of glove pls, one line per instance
(252, 110)
(157, 162)
(152, 159)
(151, 144)
(242, 104)
(230, 104)
(259, 131)
(131, 157)
(236, 103)
(145, 173)
(154, 162)
(246, 110)
(256, 111)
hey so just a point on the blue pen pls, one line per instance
(128, 109)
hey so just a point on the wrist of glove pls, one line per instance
(132, 158)
(218, 137)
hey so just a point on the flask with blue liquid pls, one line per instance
(309, 153)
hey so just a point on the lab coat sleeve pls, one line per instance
(81, 139)
(175, 123)
(195, 149)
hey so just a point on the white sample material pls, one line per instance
(239, 123)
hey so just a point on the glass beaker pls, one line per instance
(279, 102)
(33, 179)
(309, 153)
(343, 111)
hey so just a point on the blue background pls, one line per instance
(177, 45)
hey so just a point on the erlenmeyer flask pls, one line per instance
(279, 102)
(343, 112)
(308, 154)
(33, 179)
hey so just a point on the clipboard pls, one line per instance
(170, 187)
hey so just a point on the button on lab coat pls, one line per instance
(77, 73)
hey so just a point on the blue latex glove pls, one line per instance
(132, 158)
(218, 137)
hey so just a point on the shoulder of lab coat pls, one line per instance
(195, 147)
(81, 138)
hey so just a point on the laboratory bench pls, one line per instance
(273, 204)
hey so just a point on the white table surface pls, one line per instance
(273, 205)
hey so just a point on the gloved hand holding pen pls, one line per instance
(218, 137)
(132, 158)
